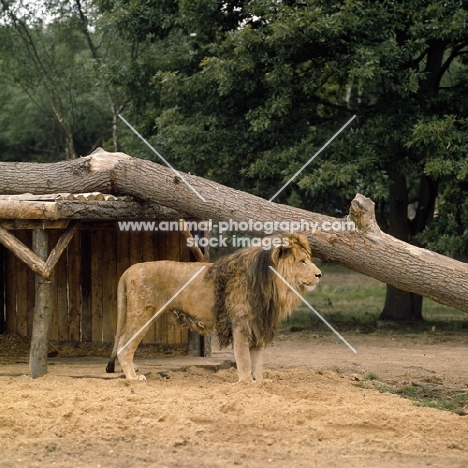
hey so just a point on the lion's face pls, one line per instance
(294, 263)
(303, 272)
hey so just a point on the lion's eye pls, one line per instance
(304, 262)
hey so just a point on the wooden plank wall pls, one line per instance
(85, 284)
(2, 289)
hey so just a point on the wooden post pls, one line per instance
(194, 344)
(205, 344)
(2, 289)
(42, 311)
(38, 265)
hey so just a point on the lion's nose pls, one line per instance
(318, 275)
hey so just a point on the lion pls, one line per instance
(242, 296)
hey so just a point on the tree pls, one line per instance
(245, 92)
(266, 83)
(45, 86)
(112, 65)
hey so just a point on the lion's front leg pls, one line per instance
(256, 358)
(242, 353)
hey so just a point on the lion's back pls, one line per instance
(179, 285)
(162, 271)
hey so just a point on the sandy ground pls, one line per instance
(317, 410)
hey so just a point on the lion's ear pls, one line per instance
(279, 252)
(275, 254)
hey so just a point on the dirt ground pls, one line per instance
(318, 409)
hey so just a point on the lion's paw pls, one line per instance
(141, 377)
(246, 381)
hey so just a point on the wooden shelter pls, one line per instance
(61, 259)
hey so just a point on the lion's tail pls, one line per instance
(121, 319)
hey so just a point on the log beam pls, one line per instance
(30, 257)
(29, 224)
(47, 212)
(57, 251)
(26, 255)
(118, 209)
(28, 210)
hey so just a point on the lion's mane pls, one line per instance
(247, 292)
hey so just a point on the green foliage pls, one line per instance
(245, 92)
(448, 232)
(263, 85)
(50, 109)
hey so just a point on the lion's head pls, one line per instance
(293, 261)
(248, 290)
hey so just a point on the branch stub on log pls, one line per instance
(362, 213)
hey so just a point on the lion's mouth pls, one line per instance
(309, 287)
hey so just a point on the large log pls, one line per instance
(367, 249)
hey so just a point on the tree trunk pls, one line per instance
(428, 191)
(47, 78)
(367, 249)
(400, 305)
(403, 305)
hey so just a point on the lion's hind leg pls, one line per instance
(125, 352)
(110, 368)
(131, 337)
(119, 342)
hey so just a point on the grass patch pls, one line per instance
(371, 376)
(350, 299)
(431, 396)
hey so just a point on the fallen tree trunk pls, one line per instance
(366, 249)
